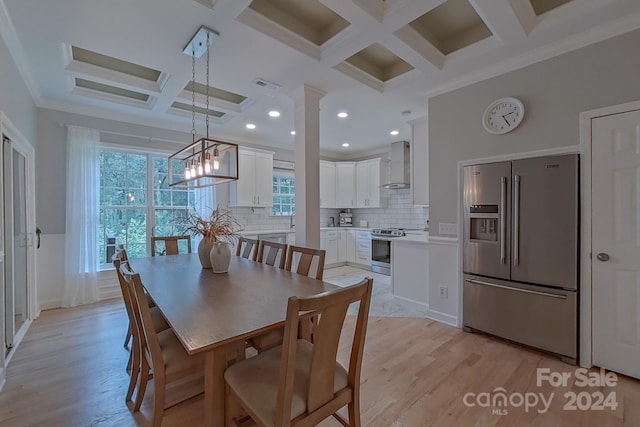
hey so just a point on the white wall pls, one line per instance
(554, 93)
(17, 105)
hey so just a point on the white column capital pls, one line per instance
(306, 93)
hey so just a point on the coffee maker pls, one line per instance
(346, 219)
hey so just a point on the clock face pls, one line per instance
(503, 115)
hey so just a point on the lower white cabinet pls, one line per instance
(410, 270)
(291, 238)
(329, 242)
(363, 247)
(342, 245)
(351, 245)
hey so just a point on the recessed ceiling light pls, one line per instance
(345, 144)
(394, 132)
(250, 126)
(274, 113)
(343, 114)
(293, 132)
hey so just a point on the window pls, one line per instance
(129, 213)
(284, 193)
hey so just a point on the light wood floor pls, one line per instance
(69, 371)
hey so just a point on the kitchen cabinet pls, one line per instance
(420, 161)
(327, 184)
(369, 193)
(329, 242)
(254, 187)
(342, 245)
(363, 248)
(410, 270)
(345, 184)
(351, 245)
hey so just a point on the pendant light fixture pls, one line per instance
(207, 161)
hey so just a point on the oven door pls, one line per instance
(381, 255)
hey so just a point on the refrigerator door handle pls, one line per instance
(516, 219)
(503, 222)
(526, 291)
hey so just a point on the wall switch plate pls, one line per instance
(445, 228)
(444, 292)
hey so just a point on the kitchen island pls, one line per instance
(410, 267)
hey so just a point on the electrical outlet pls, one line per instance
(445, 228)
(444, 292)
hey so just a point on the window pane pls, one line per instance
(180, 198)
(162, 197)
(160, 164)
(136, 180)
(110, 177)
(136, 162)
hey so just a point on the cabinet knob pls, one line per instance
(603, 257)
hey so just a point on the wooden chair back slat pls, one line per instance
(273, 249)
(306, 260)
(246, 246)
(170, 244)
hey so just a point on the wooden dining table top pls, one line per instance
(207, 310)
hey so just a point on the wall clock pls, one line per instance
(503, 115)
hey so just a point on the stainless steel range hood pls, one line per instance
(399, 165)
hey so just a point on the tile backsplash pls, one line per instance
(400, 212)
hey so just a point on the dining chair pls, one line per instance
(300, 383)
(119, 257)
(158, 321)
(170, 244)
(306, 259)
(249, 246)
(162, 357)
(273, 249)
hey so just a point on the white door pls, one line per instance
(18, 241)
(616, 242)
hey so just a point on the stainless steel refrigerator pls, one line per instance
(521, 244)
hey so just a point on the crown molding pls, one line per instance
(10, 37)
(569, 44)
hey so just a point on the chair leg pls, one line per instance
(142, 388)
(158, 402)
(134, 363)
(128, 336)
(230, 407)
(354, 413)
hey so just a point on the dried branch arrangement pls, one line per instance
(221, 225)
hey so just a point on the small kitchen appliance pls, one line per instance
(346, 219)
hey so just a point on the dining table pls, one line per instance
(211, 313)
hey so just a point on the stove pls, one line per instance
(387, 232)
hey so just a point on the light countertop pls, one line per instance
(293, 230)
(414, 237)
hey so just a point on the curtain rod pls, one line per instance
(130, 135)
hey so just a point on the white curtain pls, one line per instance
(83, 199)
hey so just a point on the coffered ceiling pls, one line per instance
(378, 60)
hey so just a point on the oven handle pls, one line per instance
(526, 291)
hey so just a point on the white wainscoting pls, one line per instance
(50, 274)
(444, 267)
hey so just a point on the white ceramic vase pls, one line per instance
(204, 251)
(220, 256)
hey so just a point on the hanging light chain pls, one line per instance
(193, 95)
(207, 110)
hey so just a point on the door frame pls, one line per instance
(21, 144)
(586, 141)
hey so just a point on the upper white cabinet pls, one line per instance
(345, 185)
(368, 189)
(254, 186)
(420, 161)
(327, 184)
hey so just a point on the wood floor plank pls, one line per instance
(69, 371)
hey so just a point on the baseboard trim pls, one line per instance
(109, 292)
(48, 305)
(416, 304)
(442, 317)
(3, 379)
